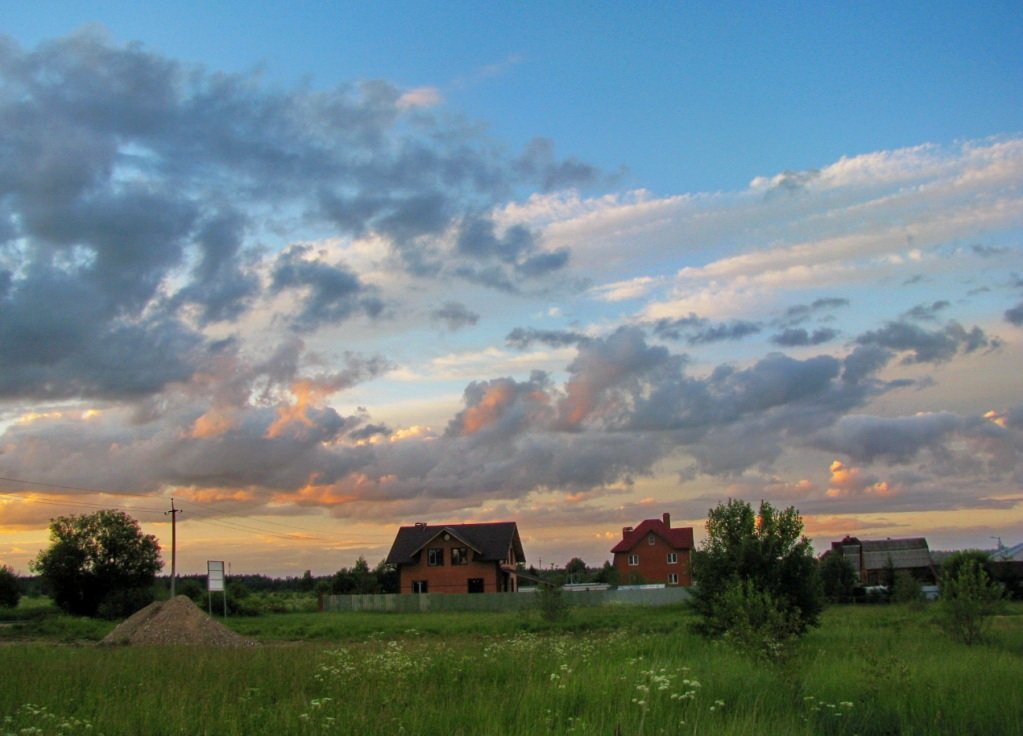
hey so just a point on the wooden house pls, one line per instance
(872, 557)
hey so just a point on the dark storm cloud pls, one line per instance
(140, 187)
(798, 337)
(455, 315)
(923, 346)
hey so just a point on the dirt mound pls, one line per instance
(177, 621)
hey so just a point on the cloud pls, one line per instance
(523, 337)
(699, 331)
(332, 293)
(893, 439)
(143, 200)
(927, 312)
(924, 346)
(455, 315)
(797, 337)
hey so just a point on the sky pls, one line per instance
(318, 270)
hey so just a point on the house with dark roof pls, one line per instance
(653, 552)
(872, 557)
(457, 558)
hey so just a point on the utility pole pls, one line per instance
(174, 543)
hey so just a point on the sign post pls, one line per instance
(215, 582)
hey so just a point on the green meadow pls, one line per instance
(627, 670)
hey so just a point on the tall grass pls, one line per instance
(884, 670)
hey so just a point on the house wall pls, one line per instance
(653, 563)
(448, 578)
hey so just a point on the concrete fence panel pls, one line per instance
(422, 602)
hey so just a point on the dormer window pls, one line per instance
(435, 556)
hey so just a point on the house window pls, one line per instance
(633, 560)
(673, 558)
(476, 585)
(435, 556)
(420, 586)
(672, 578)
(459, 555)
(651, 539)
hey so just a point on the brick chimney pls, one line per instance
(666, 518)
(626, 530)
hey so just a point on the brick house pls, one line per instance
(457, 558)
(653, 552)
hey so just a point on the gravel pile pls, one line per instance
(177, 621)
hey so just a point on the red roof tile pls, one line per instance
(681, 538)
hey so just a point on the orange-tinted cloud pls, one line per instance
(847, 481)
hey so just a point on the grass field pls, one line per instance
(866, 670)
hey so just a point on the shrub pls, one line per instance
(552, 604)
(10, 589)
(968, 599)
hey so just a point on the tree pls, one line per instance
(968, 599)
(838, 578)
(763, 558)
(575, 570)
(10, 588)
(99, 564)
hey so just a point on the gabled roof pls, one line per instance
(903, 553)
(490, 541)
(681, 538)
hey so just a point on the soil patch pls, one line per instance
(177, 621)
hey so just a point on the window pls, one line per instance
(476, 585)
(672, 558)
(672, 578)
(633, 560)
(420, 586)
(651, 539)
(459, 555)
(435, 556)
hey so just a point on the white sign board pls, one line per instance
(215, 576)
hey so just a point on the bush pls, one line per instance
(838, 578)
(763, 553)
(10, 589)
(756, 623)
(907, 589)
(968, 600)
(552, 604)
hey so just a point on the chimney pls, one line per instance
(626, 530)
(666, 519)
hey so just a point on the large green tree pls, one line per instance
(756, 570)
(99, 564)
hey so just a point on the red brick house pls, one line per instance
(457, 558)
(653, 552)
